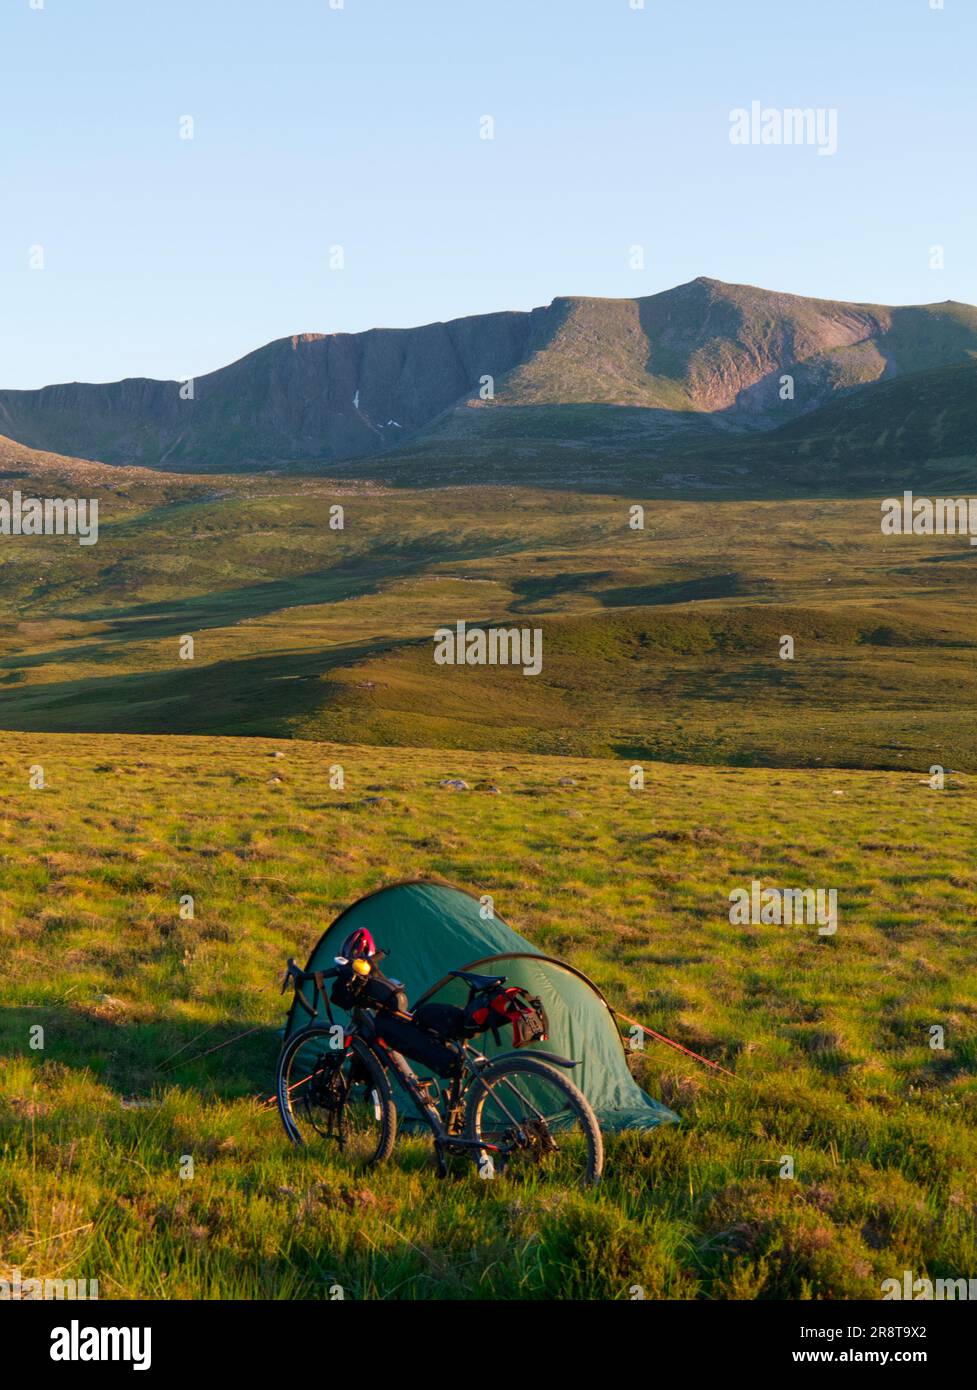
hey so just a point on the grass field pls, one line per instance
(828, 1036)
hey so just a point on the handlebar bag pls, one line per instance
(373, 991)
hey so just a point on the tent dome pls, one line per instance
(430, 928)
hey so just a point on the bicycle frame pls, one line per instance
(392, 1061)
(445, 1141)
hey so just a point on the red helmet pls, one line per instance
(359, 945)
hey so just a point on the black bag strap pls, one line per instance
(319, 977)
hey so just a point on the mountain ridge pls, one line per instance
(702, 359)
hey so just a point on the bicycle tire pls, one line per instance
(359, 1054)
(477, 1131)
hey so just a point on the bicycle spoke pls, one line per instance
(334, 1099)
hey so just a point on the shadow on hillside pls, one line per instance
(706, 586)
(146, 622)
(538, 588)
(254, 695)
(395, 561)
(135, 1058)
(735, 453)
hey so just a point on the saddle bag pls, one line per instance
(495, 1007)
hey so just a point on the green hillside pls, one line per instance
(662, 643)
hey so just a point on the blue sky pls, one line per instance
(359, 127)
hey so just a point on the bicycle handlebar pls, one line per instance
(293, 973)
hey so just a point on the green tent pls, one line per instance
(430, 928)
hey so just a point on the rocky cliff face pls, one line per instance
(310, 397)
(703, 354)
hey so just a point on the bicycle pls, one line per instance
(514, 1114)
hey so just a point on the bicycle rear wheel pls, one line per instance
(530, 1121)
(336, 1098)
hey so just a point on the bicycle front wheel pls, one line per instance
(336, 1098)
(530, 1121)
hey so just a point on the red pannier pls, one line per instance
(489, 1008)
(501, 1004)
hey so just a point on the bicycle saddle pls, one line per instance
(478, 981)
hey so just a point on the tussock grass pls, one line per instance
(829, 1037)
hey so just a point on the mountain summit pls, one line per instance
(704, 359)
